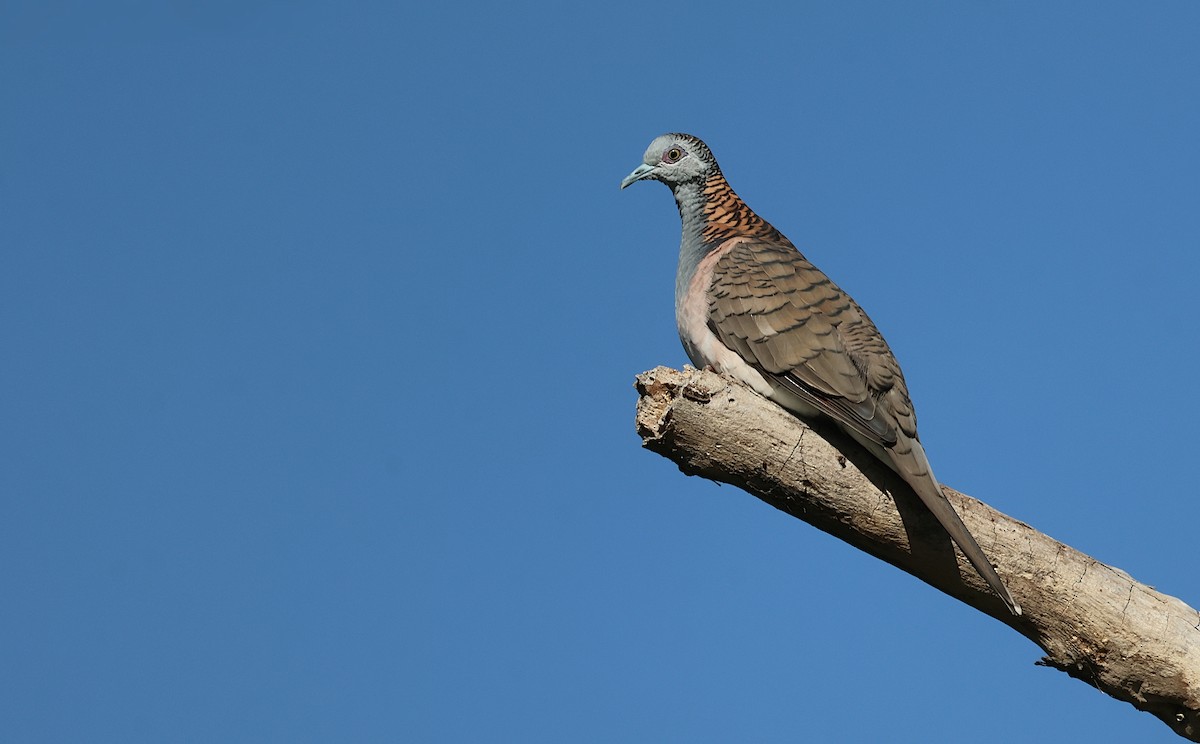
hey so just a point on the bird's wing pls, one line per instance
(780, 313)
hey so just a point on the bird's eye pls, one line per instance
(672, 155)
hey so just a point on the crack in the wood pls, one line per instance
(788, 459)
(1086, 566)
(995, 532)
(878, 503)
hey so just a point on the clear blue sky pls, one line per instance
(320, 322)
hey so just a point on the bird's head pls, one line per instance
(674, 159)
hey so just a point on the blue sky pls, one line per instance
(321, 320)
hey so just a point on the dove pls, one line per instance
(749, 305)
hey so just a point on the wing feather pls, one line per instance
(784, 316)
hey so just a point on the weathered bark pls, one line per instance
(1094, 621)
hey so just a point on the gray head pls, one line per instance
(674, 159)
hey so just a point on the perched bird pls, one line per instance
(750, 305)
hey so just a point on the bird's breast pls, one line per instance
(692, 314)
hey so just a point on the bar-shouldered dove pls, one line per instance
(750, 305)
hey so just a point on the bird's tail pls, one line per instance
(930, 493)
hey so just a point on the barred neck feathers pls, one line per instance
(727, 216)
(712, 213)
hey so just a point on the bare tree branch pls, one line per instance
(1093, 621)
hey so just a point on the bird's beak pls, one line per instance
(640, 172)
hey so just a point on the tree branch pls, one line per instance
(1093, 621)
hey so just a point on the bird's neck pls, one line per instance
(712, 212)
